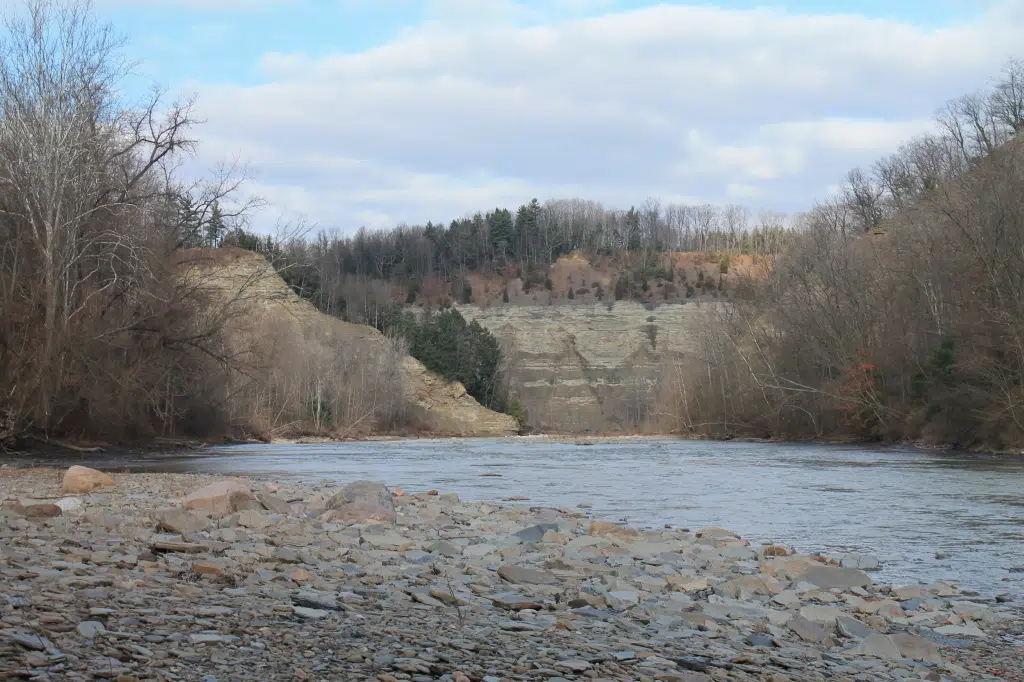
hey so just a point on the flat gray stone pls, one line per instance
(806, 630)
(29, 640)
(828, 577)
(514, 602)
(878, 646)
(312, 599)
(91, 628)
(311, 614)
(210, 638)
(526, 576)
(916, 648)
(761, 640)
(852, 628)
(622, 599)
(444, 548)
(535, 533)
(822, 615)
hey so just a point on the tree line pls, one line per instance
(356, 276)
(897, 313)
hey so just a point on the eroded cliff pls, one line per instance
(590, 367)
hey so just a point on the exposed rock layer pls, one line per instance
(590, 367)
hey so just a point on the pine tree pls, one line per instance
(500, 225)
(189, 228)
(215, 227)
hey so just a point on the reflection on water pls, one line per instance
(901, 504)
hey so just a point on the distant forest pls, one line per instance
(336, 270)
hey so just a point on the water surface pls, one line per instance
(901, 504)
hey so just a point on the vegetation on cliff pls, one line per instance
(898, 313)
(457, 350)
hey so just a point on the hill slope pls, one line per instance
(378, 377)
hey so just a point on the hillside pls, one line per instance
(276, 326)
(577, 359)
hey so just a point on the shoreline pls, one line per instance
(442, 589)
(177, 446)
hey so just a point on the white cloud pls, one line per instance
(701, 102)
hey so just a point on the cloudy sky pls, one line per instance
(372, 112)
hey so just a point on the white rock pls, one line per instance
(70, 504)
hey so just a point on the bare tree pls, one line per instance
(73, 162)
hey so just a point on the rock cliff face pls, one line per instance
(434, 405)
(587, 368)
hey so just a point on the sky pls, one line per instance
(374, 112)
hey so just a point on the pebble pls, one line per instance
(269, 583)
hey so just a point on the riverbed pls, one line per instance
(928, 515)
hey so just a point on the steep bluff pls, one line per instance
(590, 367)
(271, 308)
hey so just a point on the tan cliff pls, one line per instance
(590, 367)
(265, 306)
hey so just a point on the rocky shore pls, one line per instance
(184, 577)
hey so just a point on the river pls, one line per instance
(900, 504)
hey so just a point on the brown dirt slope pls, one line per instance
(433, 405)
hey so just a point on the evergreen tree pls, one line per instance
(215, 227)
(189, 222)
(501, 226)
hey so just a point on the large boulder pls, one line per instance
(79, 479)
(363, 501)
(221, 498)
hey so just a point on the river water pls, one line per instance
(901, 504)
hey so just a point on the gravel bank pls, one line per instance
(149, 579)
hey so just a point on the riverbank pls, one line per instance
(41, 449)
(147, 579)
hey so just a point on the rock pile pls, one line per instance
(176, 577)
